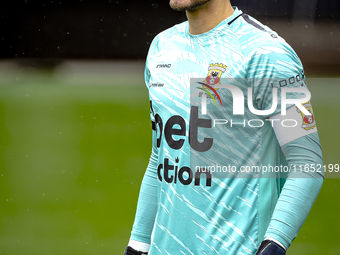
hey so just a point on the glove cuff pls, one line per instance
(268, 247)
(130, 251)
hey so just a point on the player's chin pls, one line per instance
(179, 5)
(186, 5)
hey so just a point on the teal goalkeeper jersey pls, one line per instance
(206, 203)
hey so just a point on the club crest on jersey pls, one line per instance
(215, 72)
(308, 120)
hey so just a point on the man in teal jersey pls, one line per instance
(196, 197)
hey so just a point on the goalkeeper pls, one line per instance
(185, 210)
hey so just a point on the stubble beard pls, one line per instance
(186, 5)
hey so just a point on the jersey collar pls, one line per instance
(219, 27)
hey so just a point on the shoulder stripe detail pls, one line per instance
(229, 23)
(247, 19)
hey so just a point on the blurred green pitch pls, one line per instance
(72, 157)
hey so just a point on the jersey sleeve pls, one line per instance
(300, 189)
(272, 71)
(147, 201)
(278, 67)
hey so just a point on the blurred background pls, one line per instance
(75, 134)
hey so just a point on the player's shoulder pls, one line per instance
(168, 35)
(254, 37)
(261, 46)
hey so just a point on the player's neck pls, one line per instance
(208, 16)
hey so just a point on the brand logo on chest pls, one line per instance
(163, 66)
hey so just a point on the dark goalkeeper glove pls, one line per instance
(131, 251)
(268, 247)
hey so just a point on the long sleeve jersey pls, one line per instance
(226, 164)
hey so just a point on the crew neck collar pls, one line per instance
(233, 16)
